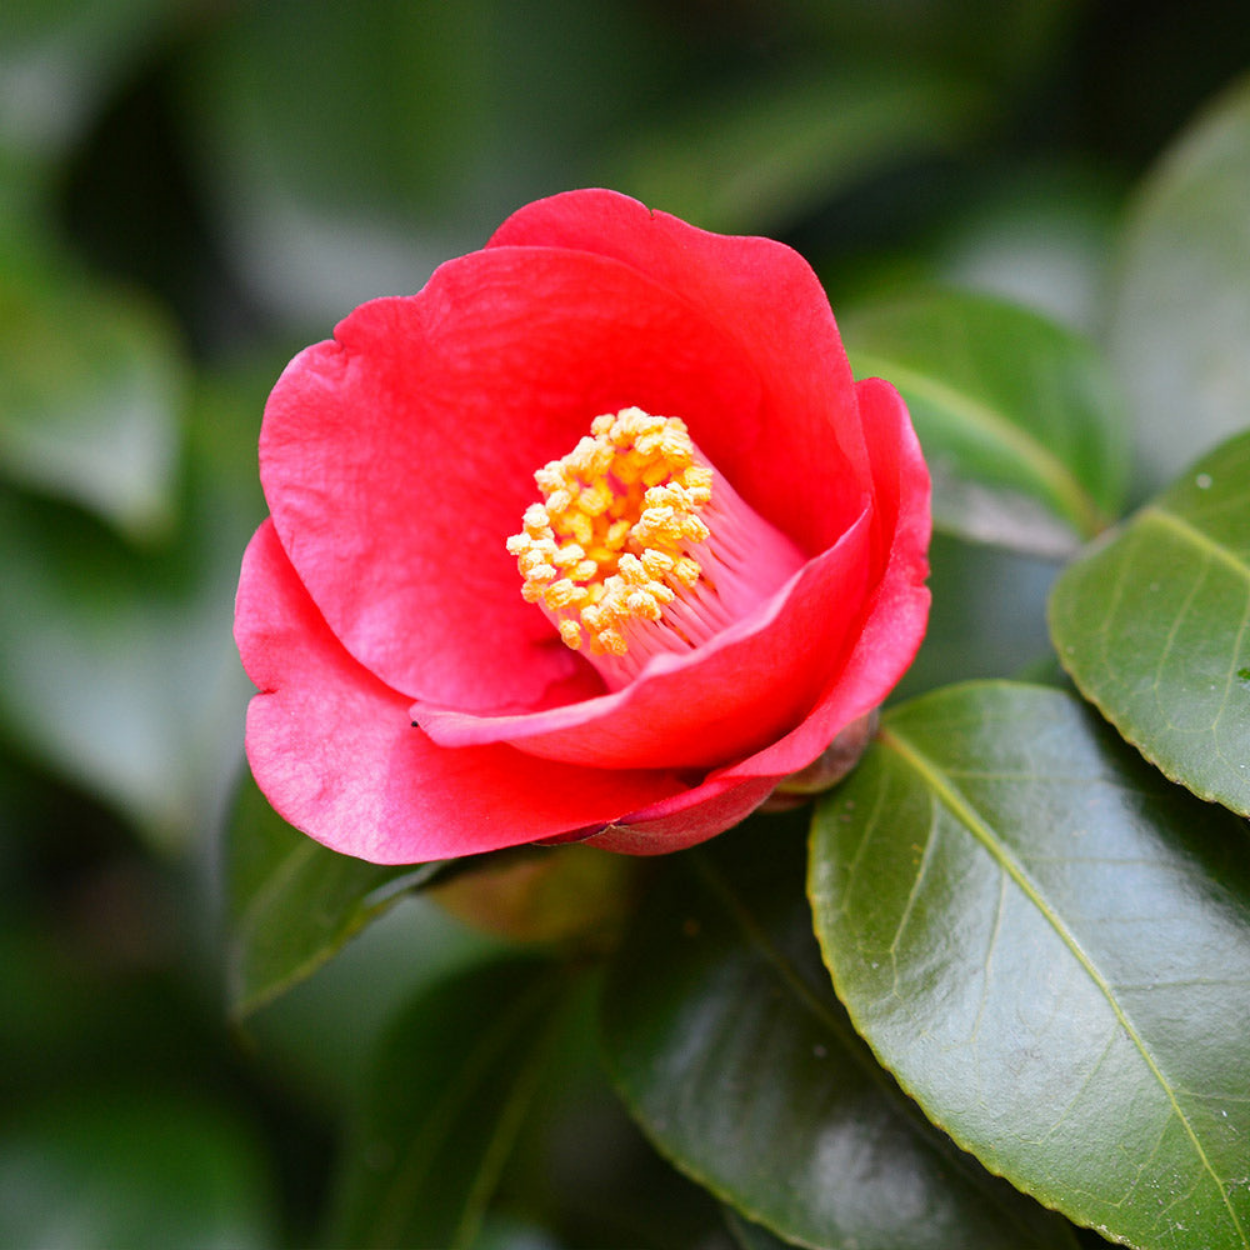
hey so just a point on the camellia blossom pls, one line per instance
(595, 537)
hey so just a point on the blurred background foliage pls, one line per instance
(191, 190)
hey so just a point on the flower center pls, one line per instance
(640, 546)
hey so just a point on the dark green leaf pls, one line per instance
(1019, 420)
(449, 1090)
(1180, 313)
(751, 1236)
(766, 154)
(91, 390)
(1049, 945)
(294, 902)
(727, 1044)
(1153, 628)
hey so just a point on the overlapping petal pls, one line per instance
(722, 701)
(335, 752)
(398, 458)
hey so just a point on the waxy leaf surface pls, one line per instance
(1154, 627)
(294, 902)
(724, 1037)
(1049, 945)
(450, 1087)
(1018, 418)
(1180, 311)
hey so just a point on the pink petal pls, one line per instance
(729, 698)
(398, 459)
(799, 459)
(335, 752)
(893, 625)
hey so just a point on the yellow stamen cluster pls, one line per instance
(609, 543)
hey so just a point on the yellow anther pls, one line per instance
(610, 545)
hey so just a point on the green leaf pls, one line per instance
(769, 152)
(294, 903)
(91, 391)
(449, 1090)
(1049, 945)
(1040, 235)
(725, 1040)
(751, 1236)
(119, 668)
(988, 617)
(132, 1167)
(1018, 418)
(1180, 312)
(60, 58)
(1153, 627)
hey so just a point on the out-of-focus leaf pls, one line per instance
(1180, 313)
(91, 393)
(1040, 236)
(724, 1037)
(1049, 945)
(1153, 628)
(1019, 421)
(59, 57)
(133, 1168)
(117, 666)
(448, 1091)
(988, 617)
(760, 158)
(430, 122)
(574, 895)
(294, 902)
(997, 39)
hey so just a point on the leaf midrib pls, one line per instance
(846, 1038)
(939, 783)
(1062, 483)
(1196, 537)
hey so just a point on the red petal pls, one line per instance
(891, 630)
(398, 459)
(732, 697)
(799, 459)
(686, 819)
(334, 749)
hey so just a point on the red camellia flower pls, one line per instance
(594, 537)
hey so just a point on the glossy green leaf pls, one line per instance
(1180, 311)
(725, 1039)
(91, 392)
(1152, 626)
(448, 1092)
(1049, 945)
(763, 156)
(1018, 418)
(294, 902)
(136, 1168)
